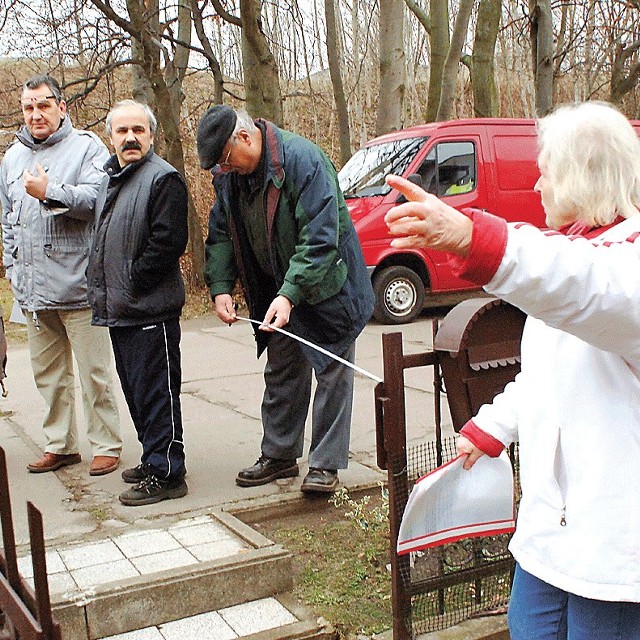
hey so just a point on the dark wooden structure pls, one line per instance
(477, 351)
(25, 613)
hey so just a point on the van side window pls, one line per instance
(449, 169)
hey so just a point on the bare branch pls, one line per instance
(105, 7)
(225, 15)
(421, 14)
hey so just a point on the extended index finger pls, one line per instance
(412, 192)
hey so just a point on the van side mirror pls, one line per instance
(416, 179)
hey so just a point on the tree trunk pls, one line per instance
(439, 38)
(483, 66)
(334, 57)
(542, 54)
(589, 50)
(143, 14)
(168, 103)
(261, 80)
(392, 85)
(452, 61)
(358, 100)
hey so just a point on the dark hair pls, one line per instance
(44, 78)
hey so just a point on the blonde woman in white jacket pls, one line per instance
(575, 406)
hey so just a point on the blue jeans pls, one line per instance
(538, 611)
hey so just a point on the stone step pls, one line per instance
(162, 572)
(277, 618)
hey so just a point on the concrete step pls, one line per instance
(165, 571)
(277, 618)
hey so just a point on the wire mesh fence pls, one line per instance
(456, 581)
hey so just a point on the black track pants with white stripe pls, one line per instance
(148, 364)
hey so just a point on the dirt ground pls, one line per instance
(340, 564)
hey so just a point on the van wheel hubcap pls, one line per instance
(401, 296)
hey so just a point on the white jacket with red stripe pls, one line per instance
(575, 406)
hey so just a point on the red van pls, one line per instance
(488, 163)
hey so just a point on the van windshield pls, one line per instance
(364, 173)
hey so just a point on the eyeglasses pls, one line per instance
(225, 164)
(42, 103)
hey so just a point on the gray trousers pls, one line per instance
(285, 405)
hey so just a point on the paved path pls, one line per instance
(221, 393)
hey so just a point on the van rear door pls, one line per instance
(512, 151)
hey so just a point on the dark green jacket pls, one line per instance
(314, 251)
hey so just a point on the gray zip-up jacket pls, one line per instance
(46, 244)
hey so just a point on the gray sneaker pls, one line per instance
(152, 489)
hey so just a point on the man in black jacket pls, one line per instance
(136, 289)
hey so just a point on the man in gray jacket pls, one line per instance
(48, 186)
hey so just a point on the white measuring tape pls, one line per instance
(364, 372)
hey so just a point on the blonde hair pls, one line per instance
(591, 155)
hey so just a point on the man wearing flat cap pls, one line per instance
(281, 227)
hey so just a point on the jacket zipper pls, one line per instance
(563, 520)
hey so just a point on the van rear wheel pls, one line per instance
(399, 295)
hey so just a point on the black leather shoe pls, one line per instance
(266, 470)
(320, 481)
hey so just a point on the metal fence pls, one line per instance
(25, 613)
(441, 586)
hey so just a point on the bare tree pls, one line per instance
(436, 24)
(541, 29)
(207, 50)
(625, 72)
(392, 85)
(589, 48)
(483, 59)
(168, 98)
(452, 60)
(334, 57)
(261, 79)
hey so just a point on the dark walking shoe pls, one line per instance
(152, 489)
(53, 461)
(266, 470)
(320, 481)
(135, 474)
